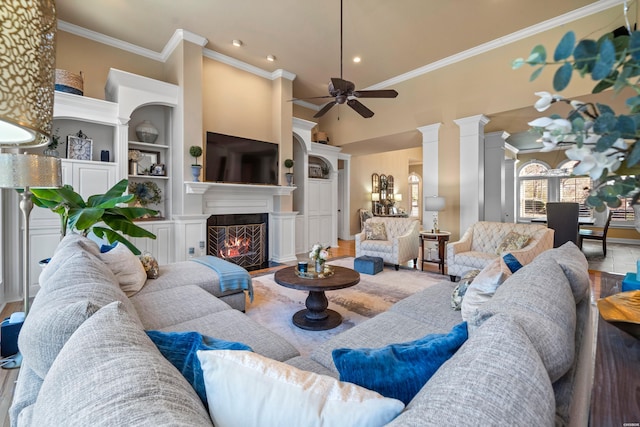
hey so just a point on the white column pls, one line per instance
(471, 169)
(494, 176)
(430, 140)
(509, 213)
(282, 229)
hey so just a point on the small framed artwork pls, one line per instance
(158, 170)
(79, 147)
(315, 170)
(146, 161)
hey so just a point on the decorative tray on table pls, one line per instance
(313, 274)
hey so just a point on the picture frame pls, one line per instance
(158, 169)
(79, 147)
(315, 170)
(146, 161)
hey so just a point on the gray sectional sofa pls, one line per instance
(527, 361)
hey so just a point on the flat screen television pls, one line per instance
(240, 160)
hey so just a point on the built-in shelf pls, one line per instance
(146, 145)
(202, 187)
(149, 176)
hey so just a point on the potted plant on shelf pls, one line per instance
(195, 152)
(84, 216)
(288, 163)
(52, 148)
(145, 193)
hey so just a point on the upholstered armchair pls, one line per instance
(479, 245)
(400, 245)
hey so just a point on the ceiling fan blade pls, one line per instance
(324, 109)
(360, 108)
(388, 93)
(343, 86)
(311, 97)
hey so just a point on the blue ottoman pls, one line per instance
(368, 264)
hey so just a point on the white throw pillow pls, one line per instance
(482, 288)
(126, 267)
(282, 395)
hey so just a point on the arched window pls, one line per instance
(539, 184)
(414, 195)
(533, 189)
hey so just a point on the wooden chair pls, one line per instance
(597, 235)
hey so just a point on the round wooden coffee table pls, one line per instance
(317, 317)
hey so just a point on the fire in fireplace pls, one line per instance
(239, 238)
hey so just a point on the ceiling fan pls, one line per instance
(344, 91)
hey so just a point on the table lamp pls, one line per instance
(434, 204)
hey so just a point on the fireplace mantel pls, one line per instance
(218, 187)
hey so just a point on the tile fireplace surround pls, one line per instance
(223, 198)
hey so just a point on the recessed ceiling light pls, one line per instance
(271, 58)
(237, 43)
(356, 59)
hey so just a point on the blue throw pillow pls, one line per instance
(106, 248)
(512, 262)
(180, 349)
(399, 370)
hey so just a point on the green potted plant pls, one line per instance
(288, 163)
(52, 148)
(99, 214)
(195, 152)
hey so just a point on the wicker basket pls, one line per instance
(69, 82)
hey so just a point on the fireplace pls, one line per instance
(240, 238)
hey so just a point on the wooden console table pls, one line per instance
(442, 237)
(615, 398)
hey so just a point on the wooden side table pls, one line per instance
(442, 237)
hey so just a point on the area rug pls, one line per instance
(274, 305)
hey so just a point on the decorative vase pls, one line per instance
(319, 266)
(195, 171)
(133, 167)
(147, 132)
(636, 216)
(289, 177)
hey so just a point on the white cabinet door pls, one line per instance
(162, 246)
(93, 178)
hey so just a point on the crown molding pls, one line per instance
(549, 24)
(110, 41)
(280, 73)
(178, 36)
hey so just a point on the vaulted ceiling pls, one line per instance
(391, 37)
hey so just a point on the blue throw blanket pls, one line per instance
(232, 276)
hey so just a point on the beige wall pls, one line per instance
(76, 54)
(394, 163)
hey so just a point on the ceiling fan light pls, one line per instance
(237, 43)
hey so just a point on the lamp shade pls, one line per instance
(29, 170)
(433, 203)
(28, 72)
(375, 197)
